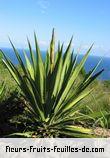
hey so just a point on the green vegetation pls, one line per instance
(53, 98)
(1, 90)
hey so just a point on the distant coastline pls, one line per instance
(91, 62)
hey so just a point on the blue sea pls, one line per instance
(90, 63)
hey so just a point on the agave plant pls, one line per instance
(2, 90)
(51, 89)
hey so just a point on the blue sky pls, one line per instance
(87, 20)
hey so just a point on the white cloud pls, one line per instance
(43, 43)
(97, 50)
(44, 5)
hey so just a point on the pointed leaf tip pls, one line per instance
(53, 32)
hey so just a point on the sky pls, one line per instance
(87, 20)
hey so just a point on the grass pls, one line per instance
(6, 77)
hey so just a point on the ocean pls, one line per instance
(90, 63)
